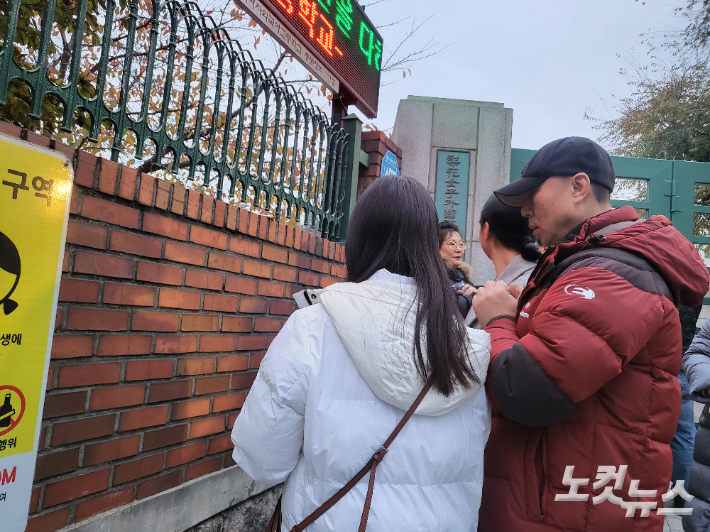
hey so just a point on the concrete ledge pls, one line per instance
(179, 508)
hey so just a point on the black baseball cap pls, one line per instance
(561, 158)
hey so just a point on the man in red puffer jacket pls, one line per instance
(584, 363)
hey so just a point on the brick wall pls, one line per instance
(167, 304)
(375, 144)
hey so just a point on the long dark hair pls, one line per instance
(394, 226)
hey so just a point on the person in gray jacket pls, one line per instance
(506, 239)
(696, 364)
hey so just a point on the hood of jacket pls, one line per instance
(375, 320)
(657, 241)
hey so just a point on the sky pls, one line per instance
(549, 60)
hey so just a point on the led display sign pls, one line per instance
(332, 38)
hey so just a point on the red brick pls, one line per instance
(73, 488)
(188, 409)
(76, 291)
(108, 451)
(244, 247)
(243, 380)
(211, 385)
(220, 209)
(162, 196)
(109, 501)
(263, 227)
(136, 244)
(83, 234)
(219, 303)
(310, 279)
(273, 224)
(88, 374)
(298, 260)
(207, 237)
(178, 204)
(232, 363)
(216, 343)
(304, 241)
(327, 281)
(108, 176)
(232, 211)
(281, 308)
(50, 379)
(72, 346)
(142, 467)
(127, 186)
(164, 226)
(146, 190)
(109, 211)
(183, 455)
(143, 370)
(175, 344)
(129, 294)
(118, 397)
(159, 273)
(63, 404)
(206, 427)
(51, 521)
(160, 438)
(200, 322)
(85, 169)
(58, 320)
(66, 260)
(179, 299)
(13, 131)
(193, 204)
(195, 366)
(231, 419)
(158, 484)
(312, 244)
(220, 444)
(250, 343)
(154, 321)
(200, 279)
(253, 224)
(218, 261)
(207, 209)
(124, 345)
(239, 285)
(183, 253)
(104, 265)
(51, 465)
(257, 269)
(253, 306)
(34, 500)
(255, 360)
(271, 289)
(281, 234)
(267, 325)
(338, 271)
(291, 290)
(285, 274)
(75, 198)
(143, 417)
(320, 266)
(297, 239)
(168, 391)
(203, 468)
(232, 324)
(232, 401)
(243, 224)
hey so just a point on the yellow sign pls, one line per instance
(35, 192)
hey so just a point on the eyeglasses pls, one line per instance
(457, 245)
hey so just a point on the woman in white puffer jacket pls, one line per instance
(341, 374)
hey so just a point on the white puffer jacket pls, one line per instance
(333, 386)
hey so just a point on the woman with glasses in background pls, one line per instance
(451, 248)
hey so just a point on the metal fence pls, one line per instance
(166, 89)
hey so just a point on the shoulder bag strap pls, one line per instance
(370, 466)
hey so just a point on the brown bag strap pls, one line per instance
(371, 466)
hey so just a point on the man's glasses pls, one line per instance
(457, 245)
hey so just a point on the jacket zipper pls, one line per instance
(543, 487)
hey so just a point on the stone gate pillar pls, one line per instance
(460, 151)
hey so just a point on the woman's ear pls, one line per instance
(483, 231)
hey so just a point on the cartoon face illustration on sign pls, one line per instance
(10, 268)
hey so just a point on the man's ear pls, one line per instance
(483, 232)
(581, 187)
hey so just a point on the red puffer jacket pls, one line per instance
(587, 376)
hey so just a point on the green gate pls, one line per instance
(679, 190)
